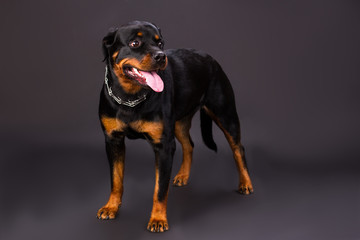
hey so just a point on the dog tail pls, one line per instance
(206, 130)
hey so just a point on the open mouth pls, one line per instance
(133, 73)
(149, 78)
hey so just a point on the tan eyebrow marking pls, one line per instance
(157, 37)
(140, 34)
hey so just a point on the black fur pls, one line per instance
(193, 80)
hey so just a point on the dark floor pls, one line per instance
(53, 191)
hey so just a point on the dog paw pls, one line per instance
(245, 189)
(106, 213)
(156, 225)
(181, 180)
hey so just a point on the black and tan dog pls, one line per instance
(153, 94)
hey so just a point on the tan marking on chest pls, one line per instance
(112, 124)
(153, 129)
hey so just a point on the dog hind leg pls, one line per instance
(220, 106)
(182, 134)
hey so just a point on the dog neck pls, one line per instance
(122, 101)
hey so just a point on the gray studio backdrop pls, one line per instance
(294, 67)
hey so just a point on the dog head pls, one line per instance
(135, 52)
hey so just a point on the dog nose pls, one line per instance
(159, 57)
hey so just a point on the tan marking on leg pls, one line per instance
(182, 134)
(153, 129)
(158, 219)
(112, 124)
(110, 209)
(245, 185)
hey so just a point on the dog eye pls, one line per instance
(135, 44)
(160, 45)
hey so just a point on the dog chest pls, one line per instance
(135, 129)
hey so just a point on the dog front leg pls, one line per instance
(115, 150)
(164, 158)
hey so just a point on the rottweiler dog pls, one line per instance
(152, 93)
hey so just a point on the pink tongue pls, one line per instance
(153, 80)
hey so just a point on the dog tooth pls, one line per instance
(136, 71)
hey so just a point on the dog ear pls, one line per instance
(108, 42)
